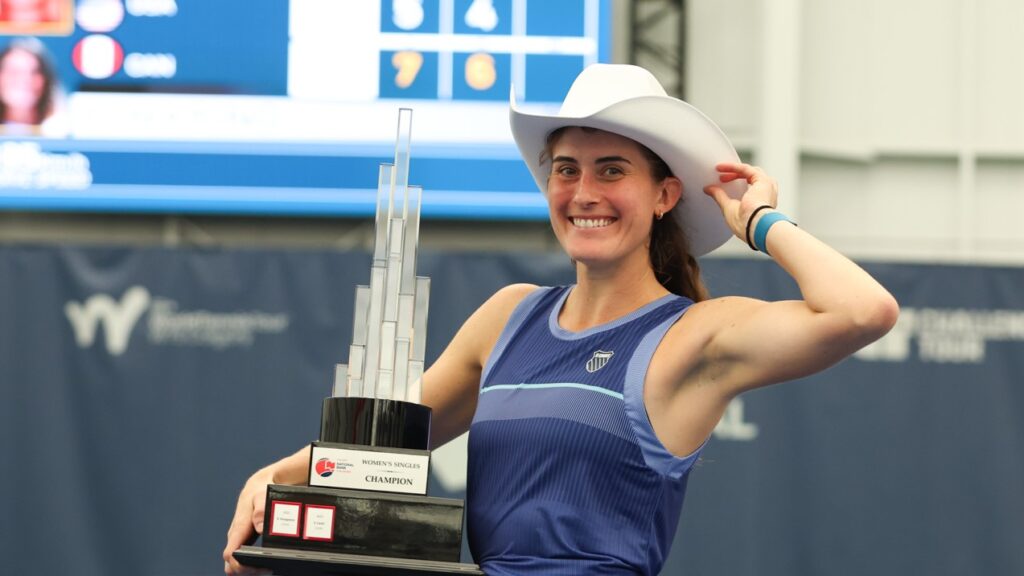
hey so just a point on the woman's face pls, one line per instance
(21, 80)
(602, 197)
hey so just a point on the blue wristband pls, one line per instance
(763, 225)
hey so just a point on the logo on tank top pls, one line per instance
(598, 360)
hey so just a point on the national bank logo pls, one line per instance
(324, 467)
(164, 323)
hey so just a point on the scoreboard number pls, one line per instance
(480, 72)
(408, 64)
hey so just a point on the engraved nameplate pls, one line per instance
(365, 468)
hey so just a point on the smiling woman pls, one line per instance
(30, 96)
(589, 404)
(668, 250)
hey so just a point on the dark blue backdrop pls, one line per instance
(123, 444)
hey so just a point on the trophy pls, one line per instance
(366, 509)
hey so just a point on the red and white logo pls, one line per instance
(98, 56)
(325, 467)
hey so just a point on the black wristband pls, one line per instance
(751, 221)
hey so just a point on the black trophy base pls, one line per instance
(375, 422)
(364, 523)
(308, 563)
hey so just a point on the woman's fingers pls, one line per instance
(763, 187)
(730, 171)
(247, 523)
(238, 534)
(718, 194)
(729, 177)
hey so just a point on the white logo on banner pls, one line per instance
(165, 323)
(951, 335)
(732, 426)
(118, 318)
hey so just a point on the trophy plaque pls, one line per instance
(365, 509)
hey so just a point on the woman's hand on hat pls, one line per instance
(761, 190)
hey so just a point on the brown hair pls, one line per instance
(669, 250)
(44, 106)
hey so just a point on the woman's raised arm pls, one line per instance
(843, 307)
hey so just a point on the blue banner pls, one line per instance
(140, 387)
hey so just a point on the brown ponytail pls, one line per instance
(674, 267)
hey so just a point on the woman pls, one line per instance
(29, 89)
(589, 404)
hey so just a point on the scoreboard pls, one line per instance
(287, 107)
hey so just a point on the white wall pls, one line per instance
(908, 117)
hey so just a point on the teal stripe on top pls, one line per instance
(597, 389)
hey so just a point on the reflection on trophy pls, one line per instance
(365, 510)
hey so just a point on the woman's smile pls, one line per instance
(584, 222)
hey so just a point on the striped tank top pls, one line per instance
(565, 473)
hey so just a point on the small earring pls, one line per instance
(658, 215)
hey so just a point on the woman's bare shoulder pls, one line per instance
(503, 302)
(474, 340)
(514, 293)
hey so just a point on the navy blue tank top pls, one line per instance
(566, 475)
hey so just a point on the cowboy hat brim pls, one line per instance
(687, 140)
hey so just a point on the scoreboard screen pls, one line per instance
(279, 106)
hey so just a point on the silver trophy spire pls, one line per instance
(385, 359)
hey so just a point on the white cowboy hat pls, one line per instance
(629, 101)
